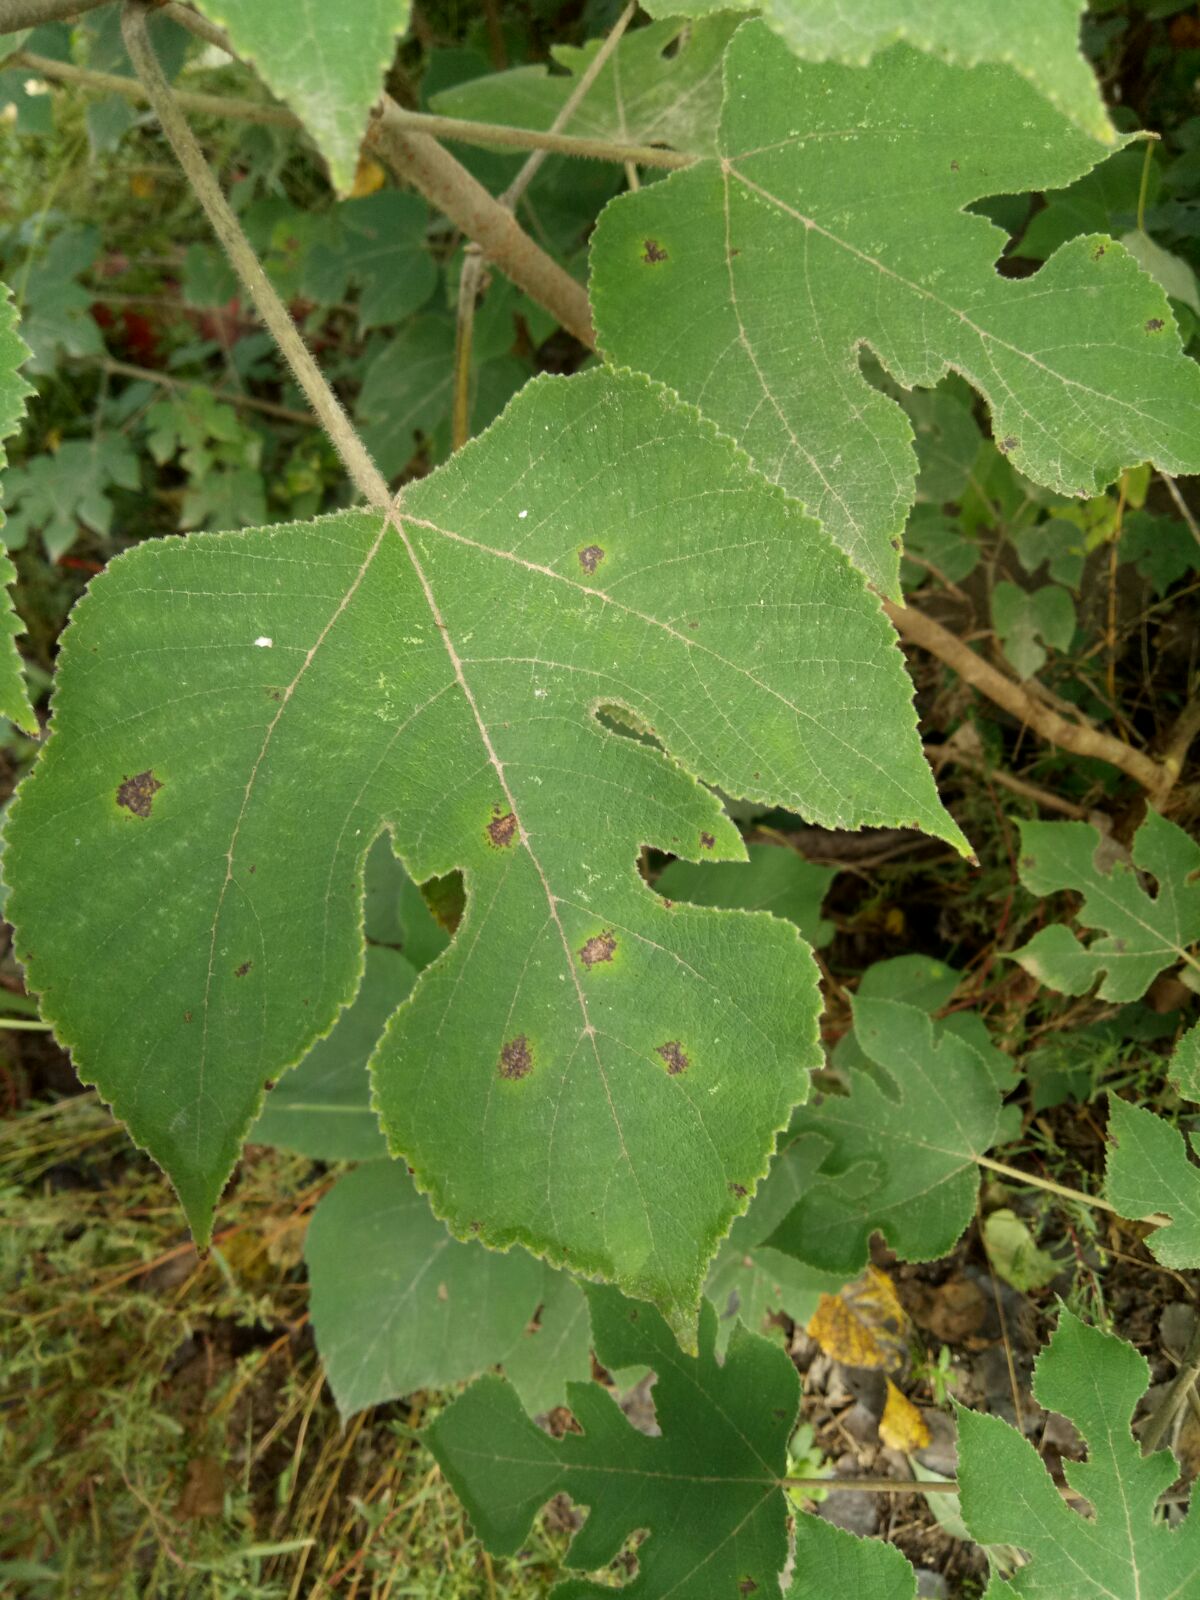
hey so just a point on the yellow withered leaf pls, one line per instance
(863, 1325)
(369, 177)
(902, 1427)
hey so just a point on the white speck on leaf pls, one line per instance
(263, 642)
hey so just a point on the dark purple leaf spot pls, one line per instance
(591, 557)
(240, 972)
(516, 1058)
(653, 253)
(137, 794)
(600, 947)
(1154, 325)
(707, 840)
(270, 1084)
(502, 829)
(672, 1054)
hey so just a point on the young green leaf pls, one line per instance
(661, 85)
(1147, 1170)
(323, 1107)
(1122, 1550)
(1143, 932)
(14, 696)
(902, 1154)
(750, 284)
(1028, 620)
(397, 1303)
(52, 494)
(378, 244)
(1039, 39)
(328, 68)
(708, 1490)
(586, 1071)
(774, 879)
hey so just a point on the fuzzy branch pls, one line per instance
(34, 13)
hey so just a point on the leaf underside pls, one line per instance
(327, 61)
(835, 219)
(586, 1070)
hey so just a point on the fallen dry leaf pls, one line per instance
(863, 1325)
(902, 1427)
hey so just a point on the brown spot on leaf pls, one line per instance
(274, 694)
(270, 1084)
(502, 830)
(672, 1054)
(654, 252)
(734, 252)
(1008, 443)
(591, 557)
(693, 624)
(738, 1189)
(516, 1058)
(137, 794)
(443, 1293)
(1154, 325)
(187, 1016)
(600, 947)
(253, 870)
(707, 840)
(634, 1313)
(1098, 252)
(954, 166)
(240, 972)
(779, 1412)
(747, 1586)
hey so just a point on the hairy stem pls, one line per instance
(917, 628)
(112, 83)
(594, 68)
(464, 329)
(446, 184)
(33, 13)
(1156, 1219)
(365, 474)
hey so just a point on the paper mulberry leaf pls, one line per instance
(708, 1490)
(662, 85)
(323, 1107)
(835, 218)
(1143, 932)
(902, 1152)
(830, 1561)
(585, 1070)
(327, 61)
(14, 696)
(1039, 39)
(1184, 1070)
(1146, 1171)
(1122, 1551)
(555, 1352)
(398, 1303)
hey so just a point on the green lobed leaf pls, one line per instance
(1146, 1171)
(1040, 38)
(1122, 1551)
(398, 1303)
(14, 696)
(902, 1152)
(585, 1071)
(327, 62)
(750, 284)
(322, 1108)
(708, 1490)
(662, 85)
(1027, 620)
(831, 1562)
(1143, 932)
(774, 879)
(52, 494)
(377, 244)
